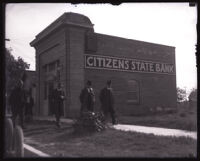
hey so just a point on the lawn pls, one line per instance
(109, 143)
(184, 118)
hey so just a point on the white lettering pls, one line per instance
(142, 67)
(162, 69)
(88, 61)
(157, 67)
(95, 64)
(167, 68)
(138, 64)
(121, 64)
(133, 65)
(146, 66)
(126, 64)
(99, 61)
(108, 64)
(115, 63)
(171, 68)
(151, 67)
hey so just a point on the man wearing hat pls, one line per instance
(17, 102)
(58, 98)
(107, 101)
(87, 98)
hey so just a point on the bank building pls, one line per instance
(69, 51)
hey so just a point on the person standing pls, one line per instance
(17, 103)
(29, 106)
(107, 101)
(87, 98)
(51, 101)
(59, 96)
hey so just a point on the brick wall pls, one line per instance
(155, 89)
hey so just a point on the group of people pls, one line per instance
(87, 99)
(21, 103)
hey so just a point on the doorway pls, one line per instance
(50, 97)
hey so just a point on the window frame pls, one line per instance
(137, 91)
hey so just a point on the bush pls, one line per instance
(89, 122)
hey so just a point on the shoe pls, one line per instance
(58, 124)
(23, 127)
(115, 123)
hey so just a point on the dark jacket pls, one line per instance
(51, 102)
(107, 100)
(29, 105)
(17, 99)
(87, 99)
(58, 98)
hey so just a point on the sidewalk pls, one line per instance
(156, 131)
(135, 128)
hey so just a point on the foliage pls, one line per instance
(15, 69)
(193, 95)
(89, 122)
(181, 95)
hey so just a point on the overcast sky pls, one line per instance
(172, 24)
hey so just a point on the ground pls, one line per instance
(45, 136)
(185, 118)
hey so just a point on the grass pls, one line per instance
(185, 118)
(44, 136)
(109, 143)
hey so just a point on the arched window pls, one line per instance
(133, 92)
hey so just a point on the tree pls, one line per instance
(193, 98)
(15, 69)
(193, 95)
(181, 95)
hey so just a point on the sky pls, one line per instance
(172, 24)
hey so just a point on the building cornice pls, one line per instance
(67, 19)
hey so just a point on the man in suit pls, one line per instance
(58, 98)
(17, 102)
(87, 98)
(107, 101)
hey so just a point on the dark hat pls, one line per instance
(89, 83)
(109, 82)
(59, 85)
(19, 83)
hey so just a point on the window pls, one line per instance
(45, 68)
(52, 66)
(57, 63)
(45, 90)
(133, 92)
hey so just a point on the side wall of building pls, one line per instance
(155, 90)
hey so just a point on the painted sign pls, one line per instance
(130, 65)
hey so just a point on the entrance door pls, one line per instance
(50, 97)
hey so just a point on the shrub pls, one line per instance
(89, 122)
